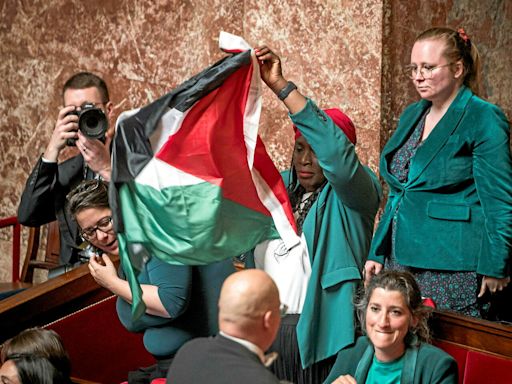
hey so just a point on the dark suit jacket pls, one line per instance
(218, 360)
(44, 200)
(455, 210)
(425, 364)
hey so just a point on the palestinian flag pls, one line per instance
(191, 180)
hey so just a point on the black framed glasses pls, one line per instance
(411, 71)
(104, 225)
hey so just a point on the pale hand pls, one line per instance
(104, 275)
(493, 284)
(345, 379)
(96, 154)
(66, 128)
(371, 268)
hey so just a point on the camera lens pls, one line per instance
(93, 123)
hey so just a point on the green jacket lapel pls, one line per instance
(410, 358)
(439, 135)
(407, 123)
(364, 365)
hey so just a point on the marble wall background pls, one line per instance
(344, 53)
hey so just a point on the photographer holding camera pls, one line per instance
(82, 121)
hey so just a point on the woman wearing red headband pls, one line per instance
(335, 199)
(448, 218)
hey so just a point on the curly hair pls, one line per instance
(404, 283)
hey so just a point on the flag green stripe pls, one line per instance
(190, 224)
(138, 306)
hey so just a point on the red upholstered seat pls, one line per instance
(477, 367)
(100, 348)
(458, 353)
(485, 368)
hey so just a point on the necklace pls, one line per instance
(303, 206)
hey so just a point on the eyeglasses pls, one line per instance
(411, 71)
(104, 225)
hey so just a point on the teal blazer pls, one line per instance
(455, 211)
(338, 231)
(425, 364)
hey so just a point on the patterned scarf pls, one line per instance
(301, 206)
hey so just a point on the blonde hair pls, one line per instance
(458, 47)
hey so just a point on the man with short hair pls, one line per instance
(249, 317)
(44, 197)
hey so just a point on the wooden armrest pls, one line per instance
(43, 264)
(5, 287)
(472, 333)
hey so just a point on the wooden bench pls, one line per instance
(84, 315)
(48, 301)
(100, 348)
(482, 349)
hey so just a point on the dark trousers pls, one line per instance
(288, 365)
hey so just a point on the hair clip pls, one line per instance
(463, 35)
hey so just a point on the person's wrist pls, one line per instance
(51, 155)
(105, 174)
(285, 92)
(279, 85)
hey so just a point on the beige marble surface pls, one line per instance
(343, 53)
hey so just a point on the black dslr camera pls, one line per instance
(91, 121)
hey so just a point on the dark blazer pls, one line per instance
(44, 200)
(218, 360)
(455, 210)
(425, 364)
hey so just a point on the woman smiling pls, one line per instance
(395, 348)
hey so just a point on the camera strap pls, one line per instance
(88, 173)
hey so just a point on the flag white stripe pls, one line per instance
(168, 125)
(272, 203)
(160, 175)
(230, 42)
(252, 112)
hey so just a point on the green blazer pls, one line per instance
(338, 231)
(455, 211)
(425, 364)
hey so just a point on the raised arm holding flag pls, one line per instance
(334, 199)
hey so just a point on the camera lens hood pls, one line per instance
(93, 123)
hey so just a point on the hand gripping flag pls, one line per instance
(191, 180)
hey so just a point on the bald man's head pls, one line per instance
(249, 306)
